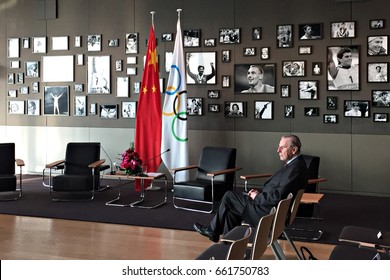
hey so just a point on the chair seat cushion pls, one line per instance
(199, 190)
(215, 252)
(7, 183)
(68, 183)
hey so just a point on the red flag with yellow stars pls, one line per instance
(149, 112)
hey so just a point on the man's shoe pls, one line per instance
(206, 231)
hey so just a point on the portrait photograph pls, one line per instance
(316, 68)
(377, 72)
(191, 38)
(330, 118)
(357, 108)
(16, 107)
(33, 107)
(194, 106)
(310, 31)
(345, 29)
(10, 78)
(92, 109)
(343, 68)
(39, 44)
(80, 106)
(225, 81)
(331, 102)
(108, 111)
(214, 108)
(308, 90)
(381, 117)
(201, 68)
(31, 69)
(289, 111)
(293, 68)
(56, 101)
(377, 45)
(13, 47)
(229, 36)
(129, 109)
(98, 76)
(254, 78)
(225, 56)
(311, 111)
(213, 94)
(256, 33)
(34, 87)
(131, 43)
(265, 53)
(94, 43)
(25, 43)
(235, 109)
(284, 91)
(284, 35)
(377, 24)
(264, 110)
(380, 98)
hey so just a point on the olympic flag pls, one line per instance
(174, 123)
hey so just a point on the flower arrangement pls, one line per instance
(131, 162)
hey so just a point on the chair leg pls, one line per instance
(278, 251)
(292, 245)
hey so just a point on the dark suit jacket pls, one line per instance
(288, 179)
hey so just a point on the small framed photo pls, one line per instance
(118, 66)
(12, 93)
(129, 109)
(80, 59)
(256, 33)
(289, 111)
(210, 42)
(132, 71)
(264, 110)
(380, 98)
(285, 91)
(80, 106)
(377, 72)
(213, 94)
(94, 43)
(122, 86)
(108, 111)
(23, 90)
(131, 45)
(13, 47)
(194, 106)
(34, 87)
(14, 64)
(310, 31)
(92, 109)
(78, 88)
(136, 87)
(284, 35)
(167, 37)
(25, 43)
(225, 81)
(59, 43)
(293, 68)
(345, 29)
(357, 108)
(39, 45)
(308, 90)
(214, 108)
(265, 53)
(377, 24)
(377, 45)
(20, 78)
(381, 117)
(229, 35)
(113, 42)
(235, 109)
(331, 102)
(131, 60)
(316, 68)
(225, 56)
(250, 51)
(191, 38)
(304, 50)
(11, 78)
(77, 41)
(31, 69)
(311, 111)
(16, 107)
(331, 118)
(33, 107)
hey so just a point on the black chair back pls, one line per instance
(313, 166)
(7, 159)
(79, 155)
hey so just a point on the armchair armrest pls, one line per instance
(224, 171)
(19, 162)
(55, 163)
(96, 163)
(174, 170)
(255, 176)
(315, 181)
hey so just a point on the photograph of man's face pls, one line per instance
(254, 78)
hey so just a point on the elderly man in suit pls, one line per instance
(236, 207)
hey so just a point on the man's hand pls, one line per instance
(252, 193)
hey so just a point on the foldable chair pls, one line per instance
(345, 252)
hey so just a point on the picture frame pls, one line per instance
(201, 68)
(168, 61)
(39, 45)
(331, 102)
(381, 117)
(214, 108)
(308, 89)
(77, 41)
(377, 23)
(167, 37)
(255, 78)
(78, 88)
(316, 68)
(285, 91)
(13, 50)
(213, 94)
(310, 31)
(377, 72)
(131, 71)
(108, 111)
(343, 29)
(26, 43)
(10, 78)
(289, 111)
(113, 43)
(235, 109)
(229, 35)
(380, 98)
(136, 87)
(92, 109)
(303, 50)
(33, 107)
(23, 90)
(12, 93)
(80, 106)
(357, 108)
(294, 68)
(80, 59)
(52, 73)
(209, 42)
(226, 56)
(131, 43)
(265, 53)
(191, 38)
(330, 118)
(16, 107)
(59, 43)
(98, 75)
(131, 60)
(129, 109)
(225, 81)
(377, 45)
(118, 66)
(284, 36)
(249, 51)
(194, 106)
(122, 86)
(34, 87)
(15, 64)
(264, 110)
(311, 111)
(56, 100)
(347, 76)
(94, 43)
(256, 33)
(31, 69)
(19, 78)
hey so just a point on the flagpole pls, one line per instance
(178, 12)
(152, 13)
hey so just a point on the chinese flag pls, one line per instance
(149, 113)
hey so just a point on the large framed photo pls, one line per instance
(357, 108)
(31, 69)
(59, 43)
(229, 35)
(308, 90)
(39, 45)
(254, 78)
(310, 31)
(94, 43)
(98, 78)
(122, 86)
(235, 109)
(194, 106)
(345, 29)
(201, 67)
(13, 47)
(343, 68)
(129, 109)
(131, 45)
(80, 106)
(377, 45)
(191, 38)
(377, 72)
(56, 100)
(293, 68)
(51, 72)
(264, 110)
(380, 98)
(284, 35)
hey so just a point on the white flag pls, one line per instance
(174, 114)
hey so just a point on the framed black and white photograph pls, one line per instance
(235, 109)
(34, 87)
(39, 44)
(293, 68)
(284, 35)
(80, 106)
(80, 59)
(78, 88)
(331, 118)
(31, 69)
(108, 111)
(10, 78)
(229, 35)
(56, 100)
(304, 50)
(285, 91)
(256, 33)
(311, 111)
(249, 51)
(214, 108)
(98, 76)
(33, 107)
(264, 110)
(265, 53)
(52, 73)
(213, 93)
(13, 47)
(255, 78)
(12, 93)
(94, 43)
(344, 29)
(331, 102)
(92, 109)
(209, 42)
(381, 117)
(26, 43)
(225, 81)
(131, 43)
(194, 106)
(343, 68)
(136, 87)
(59, 43)
(113, 42)
(167, 37)
(129, 109)
(377, 72)
(15, 64)
(201, 68)
(191, 38)
(308, 90)
(118, 66)
(16, 107)
(357, 108)
(226, 56)
(122, 86)
(377, 45)
(131, 71)
(310, 31)
(380, 98)
(377, 24)
(19, 78)
(289, 111)
(316, 68)
(23, 89)
(77, 41)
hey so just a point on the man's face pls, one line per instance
(201, 70)
(346, 60)
(254, 76)
(375, 45)
(285, 151)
